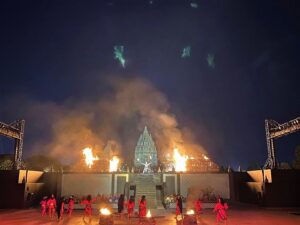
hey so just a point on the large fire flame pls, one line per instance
(89, 158)
(180, 161)
(105, 211)
(113, 164)
(148, 215)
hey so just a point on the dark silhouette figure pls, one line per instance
(121, 203)
(60, 207)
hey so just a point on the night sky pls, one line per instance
(53, 51)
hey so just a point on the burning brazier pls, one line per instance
(106, 217)
(190, 218)
(148, 220)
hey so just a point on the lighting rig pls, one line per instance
(274, 130)
(15, 130)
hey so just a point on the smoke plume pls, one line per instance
(62, 130)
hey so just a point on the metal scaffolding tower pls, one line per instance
(15, 130)
(275, 130)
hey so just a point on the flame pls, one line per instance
(205, 157)
(148, 215)
(89, 158)
(105, 211)
(180, 161)
(190, 212)
(113, 164)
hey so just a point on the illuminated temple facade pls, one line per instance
(145, 150)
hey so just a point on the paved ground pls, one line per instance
(237, 216)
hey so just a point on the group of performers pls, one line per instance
(51, 206)
(220, 208)
(130, 206)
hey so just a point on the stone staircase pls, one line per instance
(145, 186)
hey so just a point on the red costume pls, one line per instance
(71, 206)
(88, 206)
(130, 207)
(198, 207)
(221, 213)
(51, 203)
(43, 204)
(178, 208)
(142, 208)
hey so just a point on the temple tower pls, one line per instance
(145, 150)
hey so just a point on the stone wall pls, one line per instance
(218, 182)
(81, 184)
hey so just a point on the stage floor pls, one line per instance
(237, 216)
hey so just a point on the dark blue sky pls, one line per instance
(52, 51)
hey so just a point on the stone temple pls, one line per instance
(145, 150)
(157, 185)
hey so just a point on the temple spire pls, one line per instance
(145, 150)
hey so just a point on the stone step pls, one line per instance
(147, 192)
(147, 181)
(150, 190)
(145, 186)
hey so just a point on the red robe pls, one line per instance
(130, 207)
(51, 203)
(142, 208)
(71, 206)
(43, 204)
(88, 206)
(221, 213)
(198, 207)
(178, 210)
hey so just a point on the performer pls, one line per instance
(198, 207)
(220, 208)
(60, 208)
(88, 207)
(71, 205)
(121, 203)
(147, 168)
(130, 207)
(178, 207)
(142, 208)
(43, 204)
(51, 204)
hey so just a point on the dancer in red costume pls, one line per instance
(43, 204)
(88, 207)
(143, 207)
(178, 207)
(71, 205)
(198, 207)
(220, 208)
(130, 207)
(51, 204)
